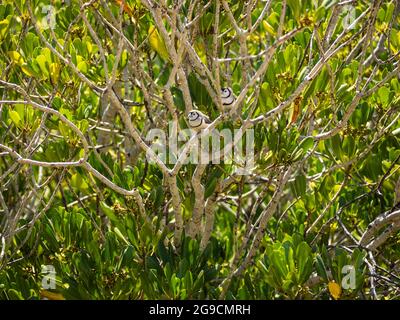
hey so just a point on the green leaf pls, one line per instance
(306, 144)
(300, 185)
(304, 258)
(47, 53)
(15, 117)
(321, 269)
(54, 72)
(4, 24)
(301, 150)
(124, 59)
(109, 212)
(210, 187)
(43, 64)
(294, 6)
(82, 67)
(78, 182)
(120, 235)
(389, 11)
(157, 43)
(349, 145)
(278, 263)
(383, 94)
(64, 130)
(16, 57)
(14, 294)
(336, 142)
(83, 125)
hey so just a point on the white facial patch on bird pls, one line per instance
(226, 92)
(227, 96)
(197, 120)
(193, 115)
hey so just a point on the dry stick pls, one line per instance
(261, 17)
(170, 176)
(11, 224)
(198, 188)
(215, 64)
(365, 152)
(169, 43)
(134, 192)
(70, 124)
(371, 265)
(110, 111)
(242, 35)
(282, 19)
(309, 77)
(264, 218)
(341, 124)
(249, 226)
(66, 61)
(353, 53)
(44, 210)
(332, 77)
(3, 203)
(397, 193)
(331, 25)
(374, 12)
(178, 71)
(31, 148)
(239, 206)
(379, 48)
(327, 207)
(386, 234)
(248, 123)
(209, 210)
(176, 203)
(379, 222)
(81, 162)
(98, 43)
(334, 48)
(209, 219)
(202, 73)
(125, 117)
(113, 77)
(261, 70)
(3, 249)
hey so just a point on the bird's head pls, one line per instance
(226, 92)
(193, 115)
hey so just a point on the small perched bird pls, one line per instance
(198, 120)
(227, 97)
